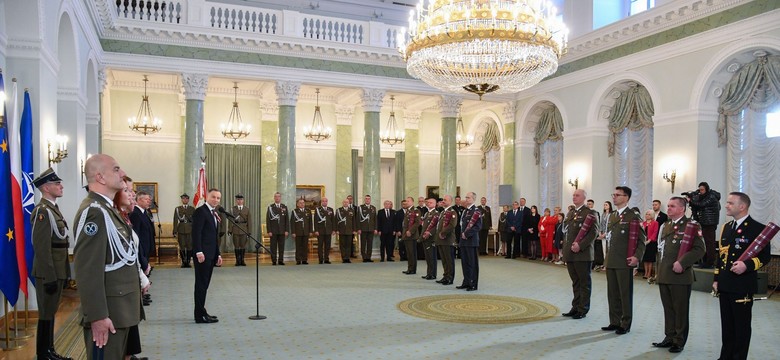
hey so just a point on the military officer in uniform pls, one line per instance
(737, 280)
(345, 229)
(487, 224)
(620, 264)
(428, 237)
(366, 216)
(277, 224)
(182, 229)
(411, 232)
(446, 240)
(579, 256)
(300, 224)
(324, 229)
(675, 275)
(470, 224)
(105, 264)
(50, 265)
(240, 228)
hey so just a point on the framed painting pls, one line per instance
(311, 194)
(433, 191)
(149, 188)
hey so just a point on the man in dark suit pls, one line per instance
(525, 249)
(384, 224)
(660, 216)
(144, 228)
(737, 280)
(470, 224)
(205, 245)
(514, 227)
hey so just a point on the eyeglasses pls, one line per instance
(616, 195)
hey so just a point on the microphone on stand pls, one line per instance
(221, 210)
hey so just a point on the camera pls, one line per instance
(690, 194)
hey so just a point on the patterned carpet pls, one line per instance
(70, 338)
(478, 309)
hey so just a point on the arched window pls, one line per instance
(548, 152)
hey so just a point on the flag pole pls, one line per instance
(7, 331)
(16, 328)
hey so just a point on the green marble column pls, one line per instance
(412, 163)
(448, 165)
(270, 141)
(509, 143)
(372, 104)
(287, 97)
(344, 180)
(194, 147)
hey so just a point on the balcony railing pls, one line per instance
(255, 20)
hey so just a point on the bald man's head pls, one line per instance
(104, 175)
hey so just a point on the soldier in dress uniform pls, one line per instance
(675, 274)
(446, 240)
(354, 209)
(240, 228)
(411, 232)
(104, 261)
(182, 229)
(366, 216)
(428, 237)
(487, 224)
(470, 224)
(277, 224)
(300, 225)
(579, 256)
(324, 229)
(50, 265)
(620, 264)
(345, 229)
(737, 280)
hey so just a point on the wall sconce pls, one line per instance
(59, 150)
(671, 178)
(575, 183)
(83, 174)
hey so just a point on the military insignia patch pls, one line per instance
(90, 228)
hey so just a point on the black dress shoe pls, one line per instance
(51, 354)
(211, 316)
(578, 316)
(273, 263)
(297, 263)
(621, 331)
(281, 263)
(676, 349)
(610, 327)
(461, 286)
(440, 281)
(663, 344)
(327, 261)
(369, 260)
(409, 272)
(204, 320)
(472, 288)
(147, 302)
(304, 263)
(390, 260)
(571, 313)
(132, 357)
(446, 282)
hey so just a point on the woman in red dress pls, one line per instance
(546, 233)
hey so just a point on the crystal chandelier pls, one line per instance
(235, 128)
(483, 46)
(392, 135)
(145, 122)
(317, 131)
(461, 139)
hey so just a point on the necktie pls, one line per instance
(214, 212)
(515, 212)
(387, 213)
(734, 225)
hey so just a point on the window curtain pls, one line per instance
(234, 169)
(490, 141)
(550, 127)
(631, 144)
(548, 153)
(756, 86)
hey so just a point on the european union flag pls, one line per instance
(9, 270)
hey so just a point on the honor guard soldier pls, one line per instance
(366, 216)
(240, 228)
(324, 230)
(300, 225)
(411, 231)
(345, 229)
(487, 224)
(428, 237)
(446, 240)
(182, 229)
(736, 281)
(470, 224)
(277, 224)
(50, 265)
(579, 255)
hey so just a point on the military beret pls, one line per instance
(46, 177)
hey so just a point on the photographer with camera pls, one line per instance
(705, 206)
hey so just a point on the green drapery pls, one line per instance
(550, 127)
(634, 110)
(756, 86)
(234, 169)
(490, 141)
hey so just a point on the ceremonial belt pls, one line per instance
(60, 245)
(242, 222)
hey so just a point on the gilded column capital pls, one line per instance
(345, 114)
(372, 99)
(412, 119)
(287, 92)
(269, 111)
(194, 86)
(448, 105)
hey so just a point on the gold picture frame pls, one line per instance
(312, 194)
(433, 191)
(149, 188)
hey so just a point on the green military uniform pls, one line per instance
(301, 229)
(429, 243)
(366, 217)
(620, 279)
(277, 222)
(578, 264)
(410, 232)
(446, 238)
(240, 228)
(676, 288)
(345, 226)
(182, 229)
(105, 259)
(323, 226)
(50, 264)
(487, 223)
